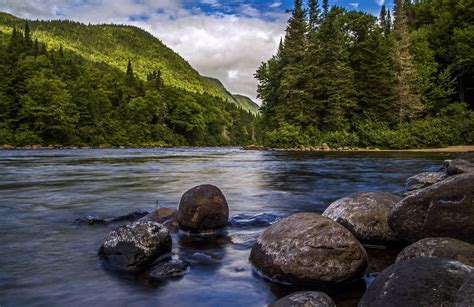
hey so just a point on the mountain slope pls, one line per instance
(115, 45)
(246, 103)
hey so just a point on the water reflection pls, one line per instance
(49, 260)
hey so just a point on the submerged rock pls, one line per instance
(243, 241)
(440, 247)
(203, 208)
(134, 246)
(94, 219)
(445, 209)
(257, 220)
(169, 269)
(306, 299)
(462, 164)
(465, 297)
(166, 216)
(423, 180)
(365, 214)
(307, 248)
(417, 282)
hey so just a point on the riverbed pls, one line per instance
(50, 260)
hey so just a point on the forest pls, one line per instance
(56, 96)
(348, 78)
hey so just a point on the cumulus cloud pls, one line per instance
(227, 46)
(380, 2)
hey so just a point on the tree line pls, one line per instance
(59, 97)
(348, 78)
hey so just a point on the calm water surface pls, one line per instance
(48, 260)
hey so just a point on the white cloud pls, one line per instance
(224, 46)
(354, 4)
(275, 4)
(380, 2)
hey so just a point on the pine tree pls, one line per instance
(335, 93)
(292, 57)
(314, 14)
(325, 8)
(28, 42)
(385, 22)
(409, 105)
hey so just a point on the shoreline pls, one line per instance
(323, 148)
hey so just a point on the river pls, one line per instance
(49, 260)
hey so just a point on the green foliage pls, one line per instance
(60, 97)
(347, 79)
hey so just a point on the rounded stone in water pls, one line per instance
(134, 246)
(307, 248)
(203, 208)
(306, 299)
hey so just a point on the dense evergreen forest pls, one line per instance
(347, 78)
(57, 96)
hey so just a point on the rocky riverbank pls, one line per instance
(416, 245)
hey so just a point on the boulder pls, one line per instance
(203, 208)
(417, 282)
(166, 216)
(462, 164)
(306, 299)
(365, 214)
(423, 180)
(440, 247)
(465, 297)
(134, 246)
(445, 209)
(169, 269)
(307, 248)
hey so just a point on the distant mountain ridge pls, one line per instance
(116, 44)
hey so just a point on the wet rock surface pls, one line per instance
(365, 214)
(465, 296)
(462, 164)
(307, 248)
(440, 247)
(203, 208)
(169, 269)
(97, 220)
(134, 246)
(166, 216)
(306, 299)
(445, 209)
(254, 220)
(417, 282)
(423, 180)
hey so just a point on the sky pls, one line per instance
(223, 39)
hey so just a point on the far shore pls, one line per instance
(449, 149)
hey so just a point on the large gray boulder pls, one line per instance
(439, 247)
(134, 246)
(306, 299)
(417, 282)
(203, 208)
(307, 248)
(462, 164)
(465, 297)
(445, 209)
(423, 180)
(365, 214)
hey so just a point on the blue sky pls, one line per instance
(223, 39)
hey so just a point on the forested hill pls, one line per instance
(348, 78)
(114, 45)
(66, 92)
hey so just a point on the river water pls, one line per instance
(49, 260)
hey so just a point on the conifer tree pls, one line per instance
(292, 58)
(314, 14)
(325, 8)
(409, 105)
(28, 45)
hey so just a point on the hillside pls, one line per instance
(114, 45)
(247, 103)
